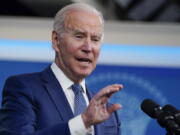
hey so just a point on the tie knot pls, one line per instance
(77, 88)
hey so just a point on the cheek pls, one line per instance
(66, 48)
(96, 53)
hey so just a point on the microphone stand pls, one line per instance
(173, 131)
(167, 121)
(170, 133)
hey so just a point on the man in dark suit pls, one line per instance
(45, 103)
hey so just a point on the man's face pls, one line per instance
(79, 46)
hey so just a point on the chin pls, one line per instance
(84, 74)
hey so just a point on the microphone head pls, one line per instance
(150, 108)
(171, 109)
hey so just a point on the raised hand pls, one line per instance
(97, 111)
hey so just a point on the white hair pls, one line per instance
(61, 14)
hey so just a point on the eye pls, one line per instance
(79, 36)
(95, 39)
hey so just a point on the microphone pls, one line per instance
(151, 108)
(165, 119)
(173, 111)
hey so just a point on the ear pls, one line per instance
(55, 41)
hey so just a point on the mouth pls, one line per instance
(85, 60)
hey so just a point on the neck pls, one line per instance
(75, 79)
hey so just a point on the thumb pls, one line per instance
(114, 108)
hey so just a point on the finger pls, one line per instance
(104, 100)
(112, 89)
(114, 108)
(108, 91)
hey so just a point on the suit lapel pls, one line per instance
(57, 95)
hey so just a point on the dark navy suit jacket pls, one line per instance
(34, 104)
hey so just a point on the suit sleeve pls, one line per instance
(17, 115)
(118, 123)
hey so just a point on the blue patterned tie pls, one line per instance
(79, 101)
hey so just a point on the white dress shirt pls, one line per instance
(76, 124)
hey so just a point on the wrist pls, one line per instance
(86, 121)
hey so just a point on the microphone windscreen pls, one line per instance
(171, 109)
(149, 107)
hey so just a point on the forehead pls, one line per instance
(84, 21)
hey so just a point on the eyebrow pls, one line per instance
(78, 31)
(82, 32)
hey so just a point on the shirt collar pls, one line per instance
(64, 81)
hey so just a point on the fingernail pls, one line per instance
(120, 106)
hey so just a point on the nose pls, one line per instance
(87, 46)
